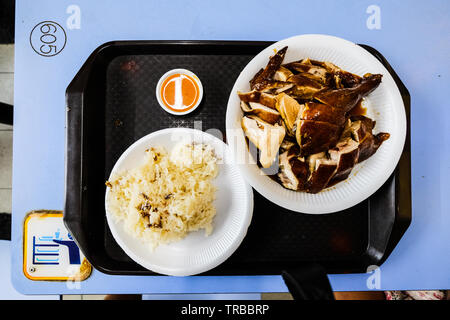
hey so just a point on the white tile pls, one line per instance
(5, 200)
(7, 88)
(93, 297)
(5, 159)
(5, 127)
(71, 297)
(6, 58)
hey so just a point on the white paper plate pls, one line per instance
(196, 253)
(384, 105)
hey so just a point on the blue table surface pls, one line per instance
(414, 36)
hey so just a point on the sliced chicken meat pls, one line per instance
(260, 80)
(282, 74)
(265, 136)
(305, 87)
(321, 170)
(347, 98)
(368, 143)
(316, 136)
(263, 98)
(306, 68)
(345, 154)
(288, 144)
(256, 78)
(276, 87)
(265, 113)
(321, 112)
(288, 108)
(342, 78)
(293, 170)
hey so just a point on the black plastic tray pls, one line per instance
(111, 103)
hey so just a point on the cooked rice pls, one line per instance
(168, 196)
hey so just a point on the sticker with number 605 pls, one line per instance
(48, 38)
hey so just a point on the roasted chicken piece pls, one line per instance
(256, 78)
(288, 144)
(368, 143)
(305, 87)
(263, 112)
(266, 137)
(321, 170)
(321, 112)
(288, 108)
(345, 154)
(347, 98)
(276, 87)
(307, 69)
(293, 170)
(282, 74)
(342, 78)
(319, 125)
(261, 79)
(259, 97)
(316, 136)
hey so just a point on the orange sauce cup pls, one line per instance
(179, 91)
